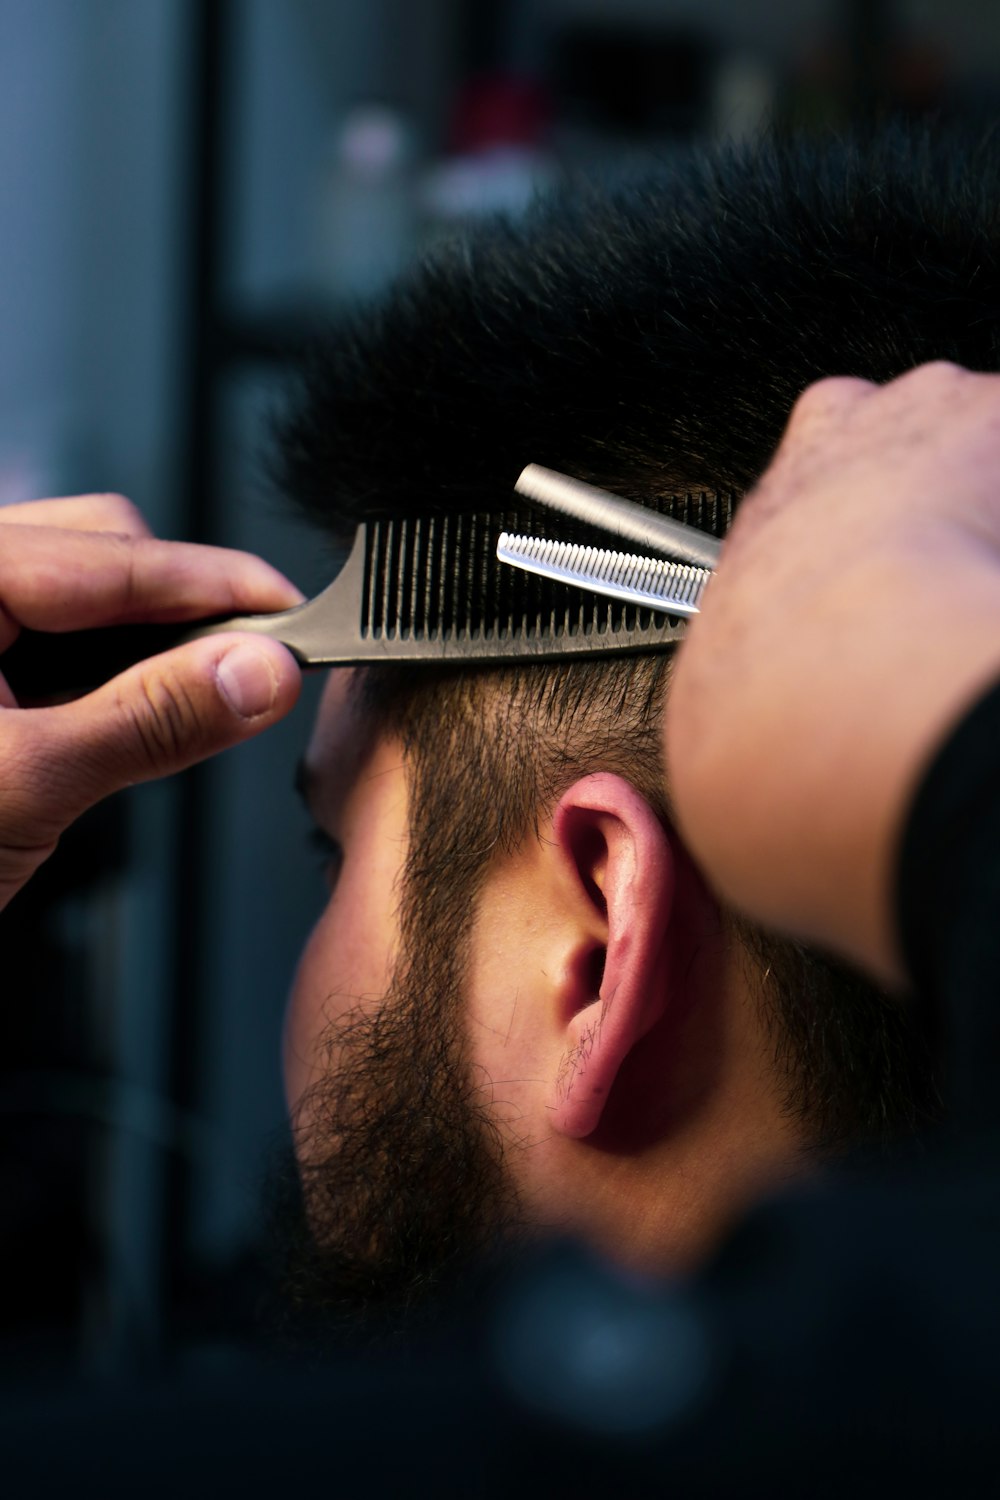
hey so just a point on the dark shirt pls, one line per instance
(949, 909)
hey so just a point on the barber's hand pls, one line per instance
(73, 564)
(854, 617)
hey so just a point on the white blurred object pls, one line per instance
(23, 476)
(505, 179)
(743, 97)
(44, 451)
(366, 212)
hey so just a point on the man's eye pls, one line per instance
(329, 853)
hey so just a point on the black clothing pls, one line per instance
(949, 908)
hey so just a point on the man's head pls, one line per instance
(522, 1005)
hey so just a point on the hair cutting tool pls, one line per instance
(672, 587)
(645, 581)
(432, 589)
(662, 535)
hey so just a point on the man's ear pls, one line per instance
(615, 987)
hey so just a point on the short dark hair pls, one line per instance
(655, 335)
(649, 337)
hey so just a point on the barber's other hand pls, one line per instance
(854, 617)
(77, 563)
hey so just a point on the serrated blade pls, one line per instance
(649, 582)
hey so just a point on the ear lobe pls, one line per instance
(622, 857)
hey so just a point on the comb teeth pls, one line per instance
(674, 588)
(427, 576)
(436, 578)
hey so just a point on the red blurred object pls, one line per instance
(498, 110)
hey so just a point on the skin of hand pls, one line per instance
(853, 619)
(72, 564)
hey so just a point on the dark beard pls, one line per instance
(859, 1069)
(399, 1189)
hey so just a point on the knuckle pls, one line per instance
(122, 515)
(119, 553)
(129, 579)
(829, 393)
(163, 719)
(935, 372)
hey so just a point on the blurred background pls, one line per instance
(188, 188)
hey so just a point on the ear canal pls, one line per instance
(583, 977)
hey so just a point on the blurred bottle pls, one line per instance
(742, 98)
(367, 208)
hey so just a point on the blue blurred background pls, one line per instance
(188, 188)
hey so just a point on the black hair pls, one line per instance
(653, 335)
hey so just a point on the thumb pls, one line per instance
(162, 716)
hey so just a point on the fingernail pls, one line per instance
(247, 681)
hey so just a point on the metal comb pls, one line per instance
(427, 590)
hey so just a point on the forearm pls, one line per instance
(853, 621)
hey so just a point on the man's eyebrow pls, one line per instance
(305, 783)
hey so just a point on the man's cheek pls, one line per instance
(346, 965)
(300, 1024)
(323, 990)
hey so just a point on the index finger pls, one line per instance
(97, 512)
(57, 580)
